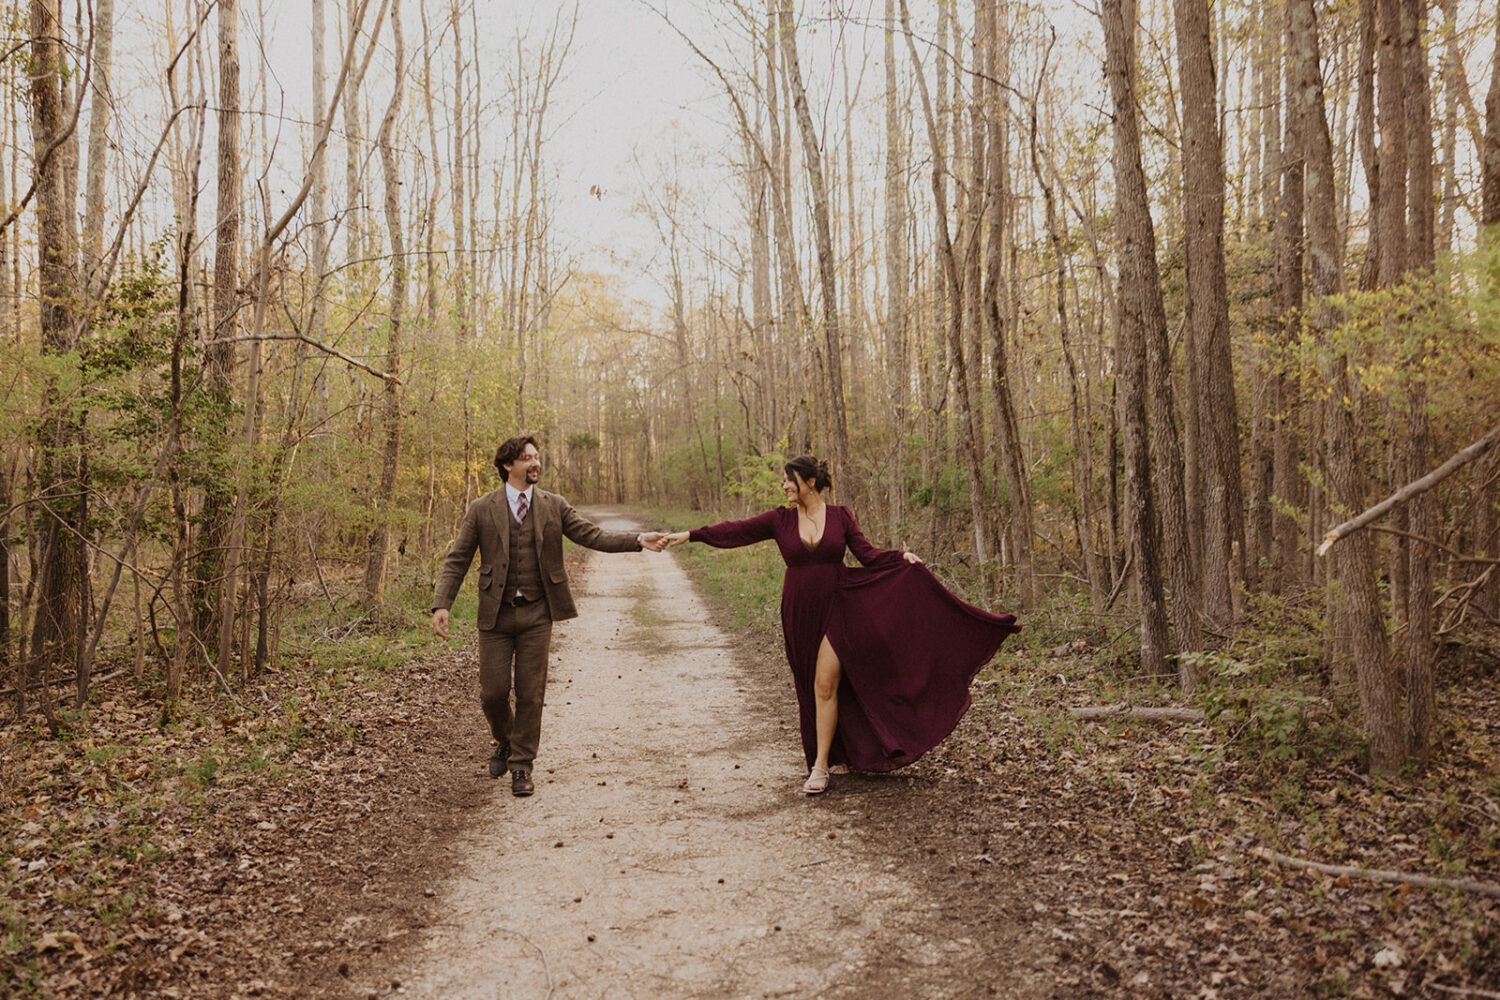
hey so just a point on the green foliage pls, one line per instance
(758, 478)
(1267, 720)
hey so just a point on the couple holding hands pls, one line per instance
(882, 654)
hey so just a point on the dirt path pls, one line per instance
(667, 852)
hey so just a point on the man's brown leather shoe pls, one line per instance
(499, 760)
(520, 783)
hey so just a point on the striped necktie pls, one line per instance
(521, 508)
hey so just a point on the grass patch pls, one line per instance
(742, 584)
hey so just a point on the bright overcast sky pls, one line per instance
(630, 89)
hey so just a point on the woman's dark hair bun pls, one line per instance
(812, 471)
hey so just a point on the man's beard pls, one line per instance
(532, 475)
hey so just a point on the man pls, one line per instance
(523, 588)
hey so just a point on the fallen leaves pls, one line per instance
(216, 856)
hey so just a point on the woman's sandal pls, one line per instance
(817, 782)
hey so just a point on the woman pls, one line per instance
(910, 647)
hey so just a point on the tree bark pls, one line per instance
(1083, 474)
(968, 432)
(459, 272)
(1486, 529)
(378, 556)
(1421, 655)
(992, 84)
(1137, 261)
(214, 601)
(1286, 402)
(99, 117)
(1358, 620)
(62, 587)
(1207, 306)
(823, 237)
(898, 278)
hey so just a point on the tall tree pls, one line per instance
(812, 155)
(459, 270)
(1487, 470)
(898, 279)
(1286, 403)
(1420, 651)
(1207, 305)
(100, 75)
(384, 500)
(215, 599)
(1136, 249)
(62, 586)
(954, 287)
(992, 25)
(1358, 616)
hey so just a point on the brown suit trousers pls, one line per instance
(517, 646)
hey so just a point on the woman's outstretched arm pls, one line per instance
(730, 534)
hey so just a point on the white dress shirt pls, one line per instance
(514, 496)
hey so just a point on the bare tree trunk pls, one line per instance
(1365, 127)
(1487, 595)
(62, 587)
(823, 235)
(434, 199)
(99, 111)
(1286, 401)
(8, 332)
(1357, 605)
(990, 24)
(179, 592)
(215, 600)
(968, 432)
(1266, 144)
(1490, 154)
(16, 679)
(459, 272)
(1420, 652)
(318, 207)
(1390, 221)
(354, 150)
(1137, 256)
(1207, 305)
(1453, 79)
(384, 500)
(898, 280)
(1083, 474)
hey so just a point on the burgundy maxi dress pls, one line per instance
(908, 647)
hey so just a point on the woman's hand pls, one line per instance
(674, 539)
(912, 558)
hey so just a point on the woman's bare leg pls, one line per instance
(826, 699)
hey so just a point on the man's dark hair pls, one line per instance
(510, 449)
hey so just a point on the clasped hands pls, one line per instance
(660, 541)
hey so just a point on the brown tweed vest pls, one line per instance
(525, 572)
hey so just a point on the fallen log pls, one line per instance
(1135, 712)
(1379, 874)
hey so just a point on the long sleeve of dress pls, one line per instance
(732, 534)
(867, 554)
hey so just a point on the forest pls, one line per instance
(1170, 327)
